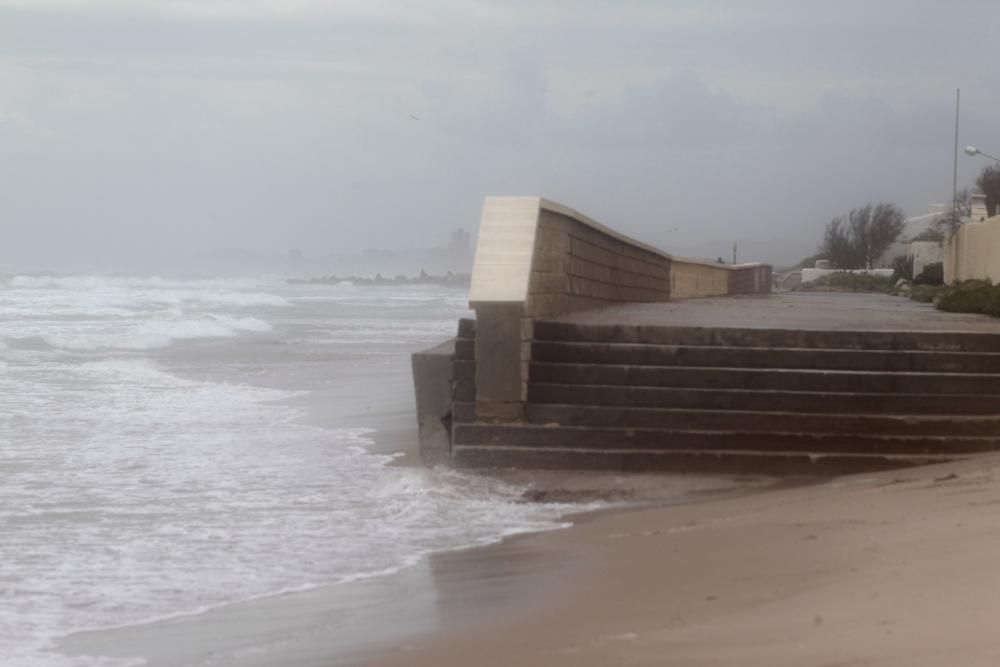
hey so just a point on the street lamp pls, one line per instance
(972, 151)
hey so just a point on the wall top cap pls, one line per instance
(505, 250)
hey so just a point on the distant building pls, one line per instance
(460, 243)
(914, 228)
(457, 255)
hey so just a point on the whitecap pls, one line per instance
(153, 334)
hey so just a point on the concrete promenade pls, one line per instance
(812, 311)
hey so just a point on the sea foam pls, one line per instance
(150, 335)
(144, 476)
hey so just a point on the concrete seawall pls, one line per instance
(585, 353)
(537, 259)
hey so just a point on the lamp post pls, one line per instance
(972, 151)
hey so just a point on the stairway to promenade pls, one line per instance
(810, 383)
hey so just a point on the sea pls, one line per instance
(171, 446)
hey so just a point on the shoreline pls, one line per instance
(352, 622)
(852, 571)
(345, 622)
(466, 587)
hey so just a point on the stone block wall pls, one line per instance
(577, 267)
(538, 259)
(752, 279)
(691, 279)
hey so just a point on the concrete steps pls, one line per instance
(773, 401)
(593, 438)
(914, 361)
(780, 379)
(761, 400)
(934, 341)
(710, 462)
(763, 422)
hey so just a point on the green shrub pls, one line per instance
(924, 293)
(972, 296)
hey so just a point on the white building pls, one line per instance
(915, 227)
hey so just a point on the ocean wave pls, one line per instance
(98, 281)
(155, 334)
(116, 295)
(159, 485)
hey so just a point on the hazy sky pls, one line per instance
(145, 128)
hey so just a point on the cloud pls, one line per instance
(181, 125)
(218, 9)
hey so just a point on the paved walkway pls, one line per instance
(826, 311)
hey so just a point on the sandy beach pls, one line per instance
(897, 568)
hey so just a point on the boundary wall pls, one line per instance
(973, 252)
(924, 253)
(536, 259)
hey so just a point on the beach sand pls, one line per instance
(897, 568)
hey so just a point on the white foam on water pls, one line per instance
(151, 334)
(109, 296)
(135, 282)
(129, 493)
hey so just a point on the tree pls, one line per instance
(902, 268)
(988, 183)
(960, 211)
(838, 246)
(859, 239)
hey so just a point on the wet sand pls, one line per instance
(342, 624)
(454, 591)
(897, 568)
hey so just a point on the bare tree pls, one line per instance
(857, 240)
(838, 245)
(988, 182)
(884, 225)
(960, 211)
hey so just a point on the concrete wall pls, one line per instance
(577, 266)
(973, 252)
(536, 259)
(750, 279)
(690, 279)
(924, 253)
(432, 384)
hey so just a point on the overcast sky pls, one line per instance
(146, 128)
